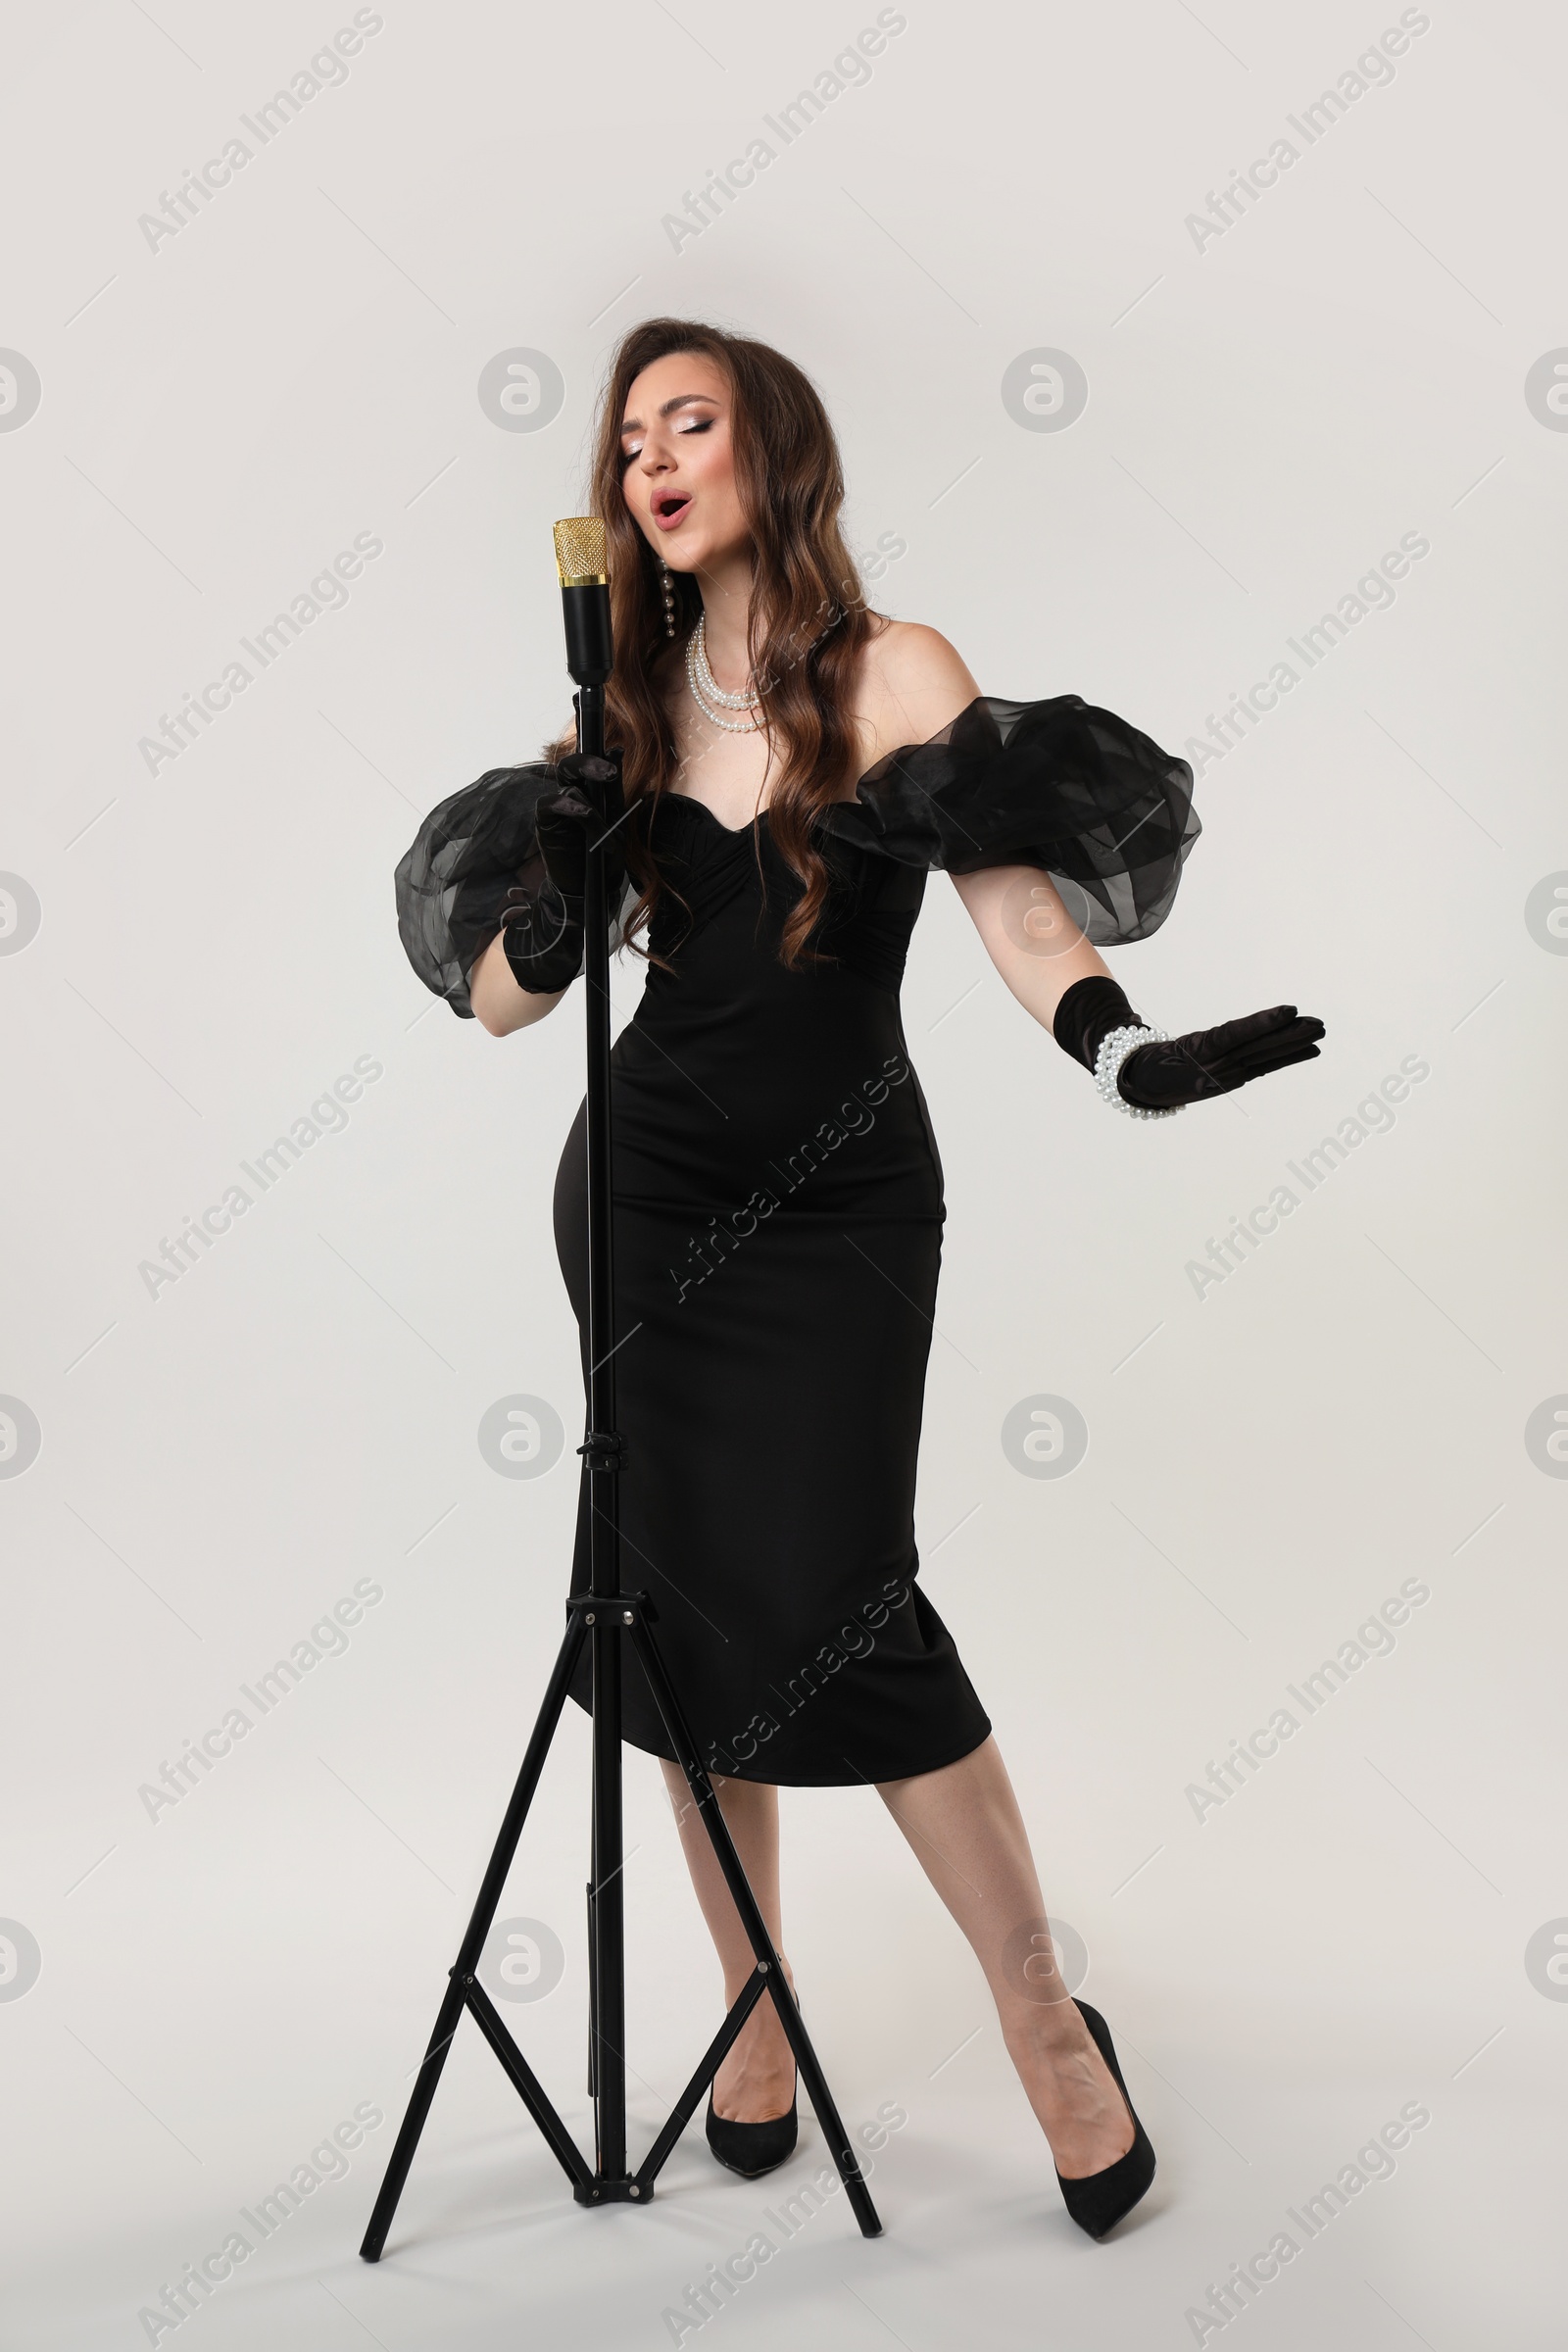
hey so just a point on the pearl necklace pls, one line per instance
(706, 693)
(710, 684)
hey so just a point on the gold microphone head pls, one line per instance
(580, 551)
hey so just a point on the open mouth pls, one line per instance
(669, 505)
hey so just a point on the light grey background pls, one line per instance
(1369, 1920)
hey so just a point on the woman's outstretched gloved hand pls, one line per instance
(1215, 1061)
(543, 929)
(1164, 1075)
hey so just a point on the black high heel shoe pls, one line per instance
(1097, 2201)
(752, 2149)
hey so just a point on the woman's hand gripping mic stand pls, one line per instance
(580, 841)
(544, 931)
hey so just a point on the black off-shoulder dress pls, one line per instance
(778, 1212)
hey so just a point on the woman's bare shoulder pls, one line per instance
(911, 683)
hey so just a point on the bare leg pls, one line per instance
(964, 1825)
(756, 2079)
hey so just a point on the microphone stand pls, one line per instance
(604, 1616)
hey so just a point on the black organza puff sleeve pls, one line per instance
(453, 882)
(1059, 785)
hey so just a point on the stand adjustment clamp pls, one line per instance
(620, 1610)
(604, 1450)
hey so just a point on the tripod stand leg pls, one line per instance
(729, 1862)
(707, 2066)
(607, 2023)
(468, 1960)
(593, 1989)
(528, 2086)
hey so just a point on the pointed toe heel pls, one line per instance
(752, 2149)
(1097, 2201)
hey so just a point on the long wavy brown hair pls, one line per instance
(809, 617)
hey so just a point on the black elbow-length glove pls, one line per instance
(1164, 1075)
(543, 929)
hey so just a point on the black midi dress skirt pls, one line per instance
(778, 1214)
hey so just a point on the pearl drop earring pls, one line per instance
(667, 586)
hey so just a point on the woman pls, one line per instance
(794, 765)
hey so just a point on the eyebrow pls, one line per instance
(634, 425)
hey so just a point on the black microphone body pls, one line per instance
(590, 650)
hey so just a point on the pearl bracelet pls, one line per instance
(1114, 1052)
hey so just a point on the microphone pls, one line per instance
(584, 598)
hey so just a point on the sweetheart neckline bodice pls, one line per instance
(691, 801)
